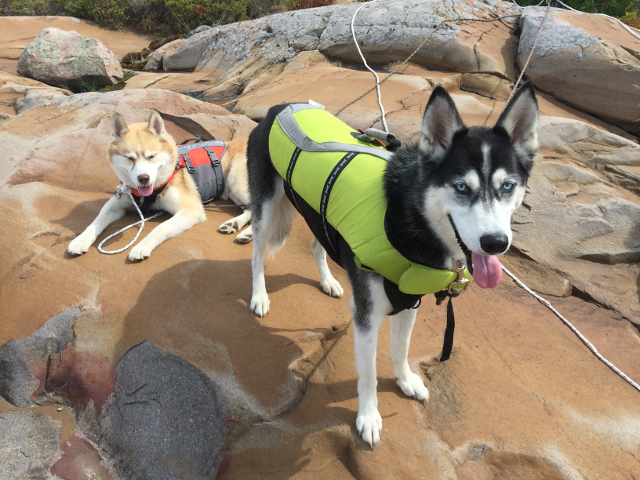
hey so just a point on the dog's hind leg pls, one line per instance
(370, 307)
(239, 196)
(410, 383)
(245, 236)
(271, 224)
(237, 223)
(329, 285)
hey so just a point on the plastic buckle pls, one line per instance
(371, 138)
(459, 285)
(120, 189)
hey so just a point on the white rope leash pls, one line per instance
(574, 330)
(119, 191)
(353, 32)
(533, 47)
(538, 297)
(395, 70)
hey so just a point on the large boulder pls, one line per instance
(386, 32)
(29, 445)
(18, 32)
(69, 60)
(154, 61)
(586, 61)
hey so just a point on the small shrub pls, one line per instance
(631, 18)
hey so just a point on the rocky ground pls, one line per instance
(154, 370)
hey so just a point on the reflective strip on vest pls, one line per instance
(357, 205)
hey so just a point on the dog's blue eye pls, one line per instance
(508, 186)
(461, 187)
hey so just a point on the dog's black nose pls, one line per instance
(143, 179)
(494, 244)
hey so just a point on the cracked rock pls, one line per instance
(166, 418)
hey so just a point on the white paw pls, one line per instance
(80, 244)
(260, 304)
(140, 252)
(369, 426)
(230, 226)
(332, 288)
(244, 237)
(413, 386)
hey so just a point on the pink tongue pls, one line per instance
(487, 270)
(146, 190)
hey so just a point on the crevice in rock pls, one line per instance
(635, 325)
(583, 295)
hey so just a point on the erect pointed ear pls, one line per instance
(118, 127)
(156, 124)
(440, 123)
(519, 121)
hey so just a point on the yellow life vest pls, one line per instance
(341, 178)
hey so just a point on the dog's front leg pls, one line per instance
(410, 383)
(177, 224)
(113, 210)
(369, 421)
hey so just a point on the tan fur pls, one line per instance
(145, 154)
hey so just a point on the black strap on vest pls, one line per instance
(328, 186)
(217, 170)
(447, 345)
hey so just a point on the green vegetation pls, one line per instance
(166, 16)
(180, 16)
(616, 8)
(111, 88)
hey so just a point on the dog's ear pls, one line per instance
(118, 127)
(440, 123)
(519, 121)
(156, 124)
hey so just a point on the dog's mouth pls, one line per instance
(145, 190)
(486, 269)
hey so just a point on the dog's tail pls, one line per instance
(273, 222)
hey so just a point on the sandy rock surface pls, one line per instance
(109, 367)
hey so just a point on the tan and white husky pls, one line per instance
(143, 156)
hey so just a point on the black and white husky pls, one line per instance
(449, 197)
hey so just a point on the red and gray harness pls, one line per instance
(202, 159)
